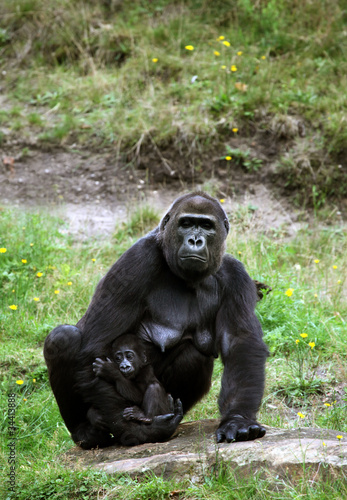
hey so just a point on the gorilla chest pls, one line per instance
(174, 315)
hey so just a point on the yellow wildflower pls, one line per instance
(222, 200)
(263, 57)
(339, 436)
(69, 283)
(311, 344)
(56, 292)
(19, 382)
(25, 399)
(34, 380)
(289, 292)
(327, 404)
(235, 130)
(31, 244)
(315, 295)
(39, 275)
(36, 299)
(13, 307)
(189, 47)
(216, 53)
(239, 53)
(228, 158)
(316, 261)
(223, 67)
(301, 415)
(93, 260)
(303, 335)
(3, 250)
(226, 43)
(155, 59)
(221, 37)
(297, 341)
(233, 68)
(334, 267)
(24, 261)
(323, 443)
(338, 282)
(240, 253)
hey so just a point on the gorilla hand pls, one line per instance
(167, 424)
(238, 428)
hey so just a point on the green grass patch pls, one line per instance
(119, 74)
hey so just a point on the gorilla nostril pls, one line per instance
(199, 243)
(191, 242)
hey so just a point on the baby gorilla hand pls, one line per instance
(238, 428)
(105, 369)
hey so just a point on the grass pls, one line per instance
(83, 72)
(301, 378)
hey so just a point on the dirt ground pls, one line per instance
(94, 191)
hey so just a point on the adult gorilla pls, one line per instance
(188, 301)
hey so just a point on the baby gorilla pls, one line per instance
(134, 380)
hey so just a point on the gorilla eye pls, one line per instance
(207, 225)
(185, 223)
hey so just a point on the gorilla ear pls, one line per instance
(226, 224)
(164, 221)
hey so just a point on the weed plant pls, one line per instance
(47, 279)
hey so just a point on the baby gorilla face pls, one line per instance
(128, 362)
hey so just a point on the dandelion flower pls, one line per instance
(233, 68)
(228, 158)
(240, 53)
(69, 283)
(24, 261)
(189, 47)
(221, 38)
(301, 415)
(327, 404)
(311, 344)
(31, 244)
(316, 261)
(39, 275)
(3, 250)
(155, 60)
(263, 58)
(240, 253)
(315, 295)
(25, 399)
(216, 53)
(323, 443)
(339, 436)
(93, 260)
(297, 341)
(226, 43)
(338, 282)
(56, 292)
(19, 382)
(334, 267)
(34, 380)
(235, 130)
(36, 299)
(303, 335)
(223, 67)
(222, 200)
(13, 307)
(13, 291)
(289, 292)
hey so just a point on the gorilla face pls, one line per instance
(193, 235)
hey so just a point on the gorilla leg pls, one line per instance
(61, 350)
(186, 374)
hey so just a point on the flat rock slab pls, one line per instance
(192, 453)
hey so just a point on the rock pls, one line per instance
(193, 454)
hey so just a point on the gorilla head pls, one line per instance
(192, 235)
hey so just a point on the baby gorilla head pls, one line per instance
(129, 356)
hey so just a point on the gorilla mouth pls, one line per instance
(193, 257)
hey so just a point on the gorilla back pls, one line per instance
(179, 292)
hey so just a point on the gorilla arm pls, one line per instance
(243, 354)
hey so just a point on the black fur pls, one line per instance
(178, 292)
